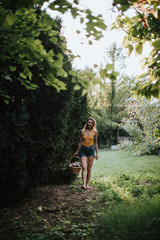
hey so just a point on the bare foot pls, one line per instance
(83, 187)
(88, 186)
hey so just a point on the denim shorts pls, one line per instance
(87, 151)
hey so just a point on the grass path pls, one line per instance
(112, 162)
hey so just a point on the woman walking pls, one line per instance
(87, 148)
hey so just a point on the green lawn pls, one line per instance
(113, 162)
(130, 196)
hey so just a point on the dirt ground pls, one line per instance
(52, 202)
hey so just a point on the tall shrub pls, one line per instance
(38, 128)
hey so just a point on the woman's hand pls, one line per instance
(97, 156)
(76, 154)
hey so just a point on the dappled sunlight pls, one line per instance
(109, 183)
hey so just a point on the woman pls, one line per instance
(86, 149)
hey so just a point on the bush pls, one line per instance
(39, 129)
(142, 123)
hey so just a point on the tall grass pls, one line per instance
(128, 221)
(130, 196)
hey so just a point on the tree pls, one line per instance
(22, 52)
(109, 106)
(141, 28)
(113, 95)
(21, 47)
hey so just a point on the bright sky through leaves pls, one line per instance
(94, 52)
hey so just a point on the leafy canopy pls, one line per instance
(142, 28)
(22, 49)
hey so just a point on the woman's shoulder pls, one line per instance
(95, 131)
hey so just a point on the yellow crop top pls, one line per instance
(88, 140)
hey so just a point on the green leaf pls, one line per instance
(95, 65)
(73, 73)
(148, 95)
(115, 74)
(74, 12)
(100, 24)
(77, 87)
(125, 6)
(23, 75)
(102, 73)
(139, 48)
(156, 93)
(143, 75)
(109, 67)
(81, 20)
(47, 20)
(90, 26)
(156, 44)
(125, 43)
(10, 19)
(95, 81)
(112, 76)
(33, 86)
(63, 46)
(130, 49)
(53, 33)
(90, 42)
(54, 40)
(12, 68)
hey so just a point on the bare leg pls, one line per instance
(89, 167)
(84, 170)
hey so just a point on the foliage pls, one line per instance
(36, 227)
(142, 28)
(142, 124)
(23, 53)
(130, 189)
(126, 200)
(130, 221)
(94, 24)
(37, 134)
(127, 187)
(22, 49)
(109, 105)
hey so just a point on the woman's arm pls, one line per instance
(96, 144)
(79, 146)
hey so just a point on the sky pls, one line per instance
(95, 53)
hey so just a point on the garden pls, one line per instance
(122, 203)
(45, 102)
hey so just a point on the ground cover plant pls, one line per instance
(122, 203)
